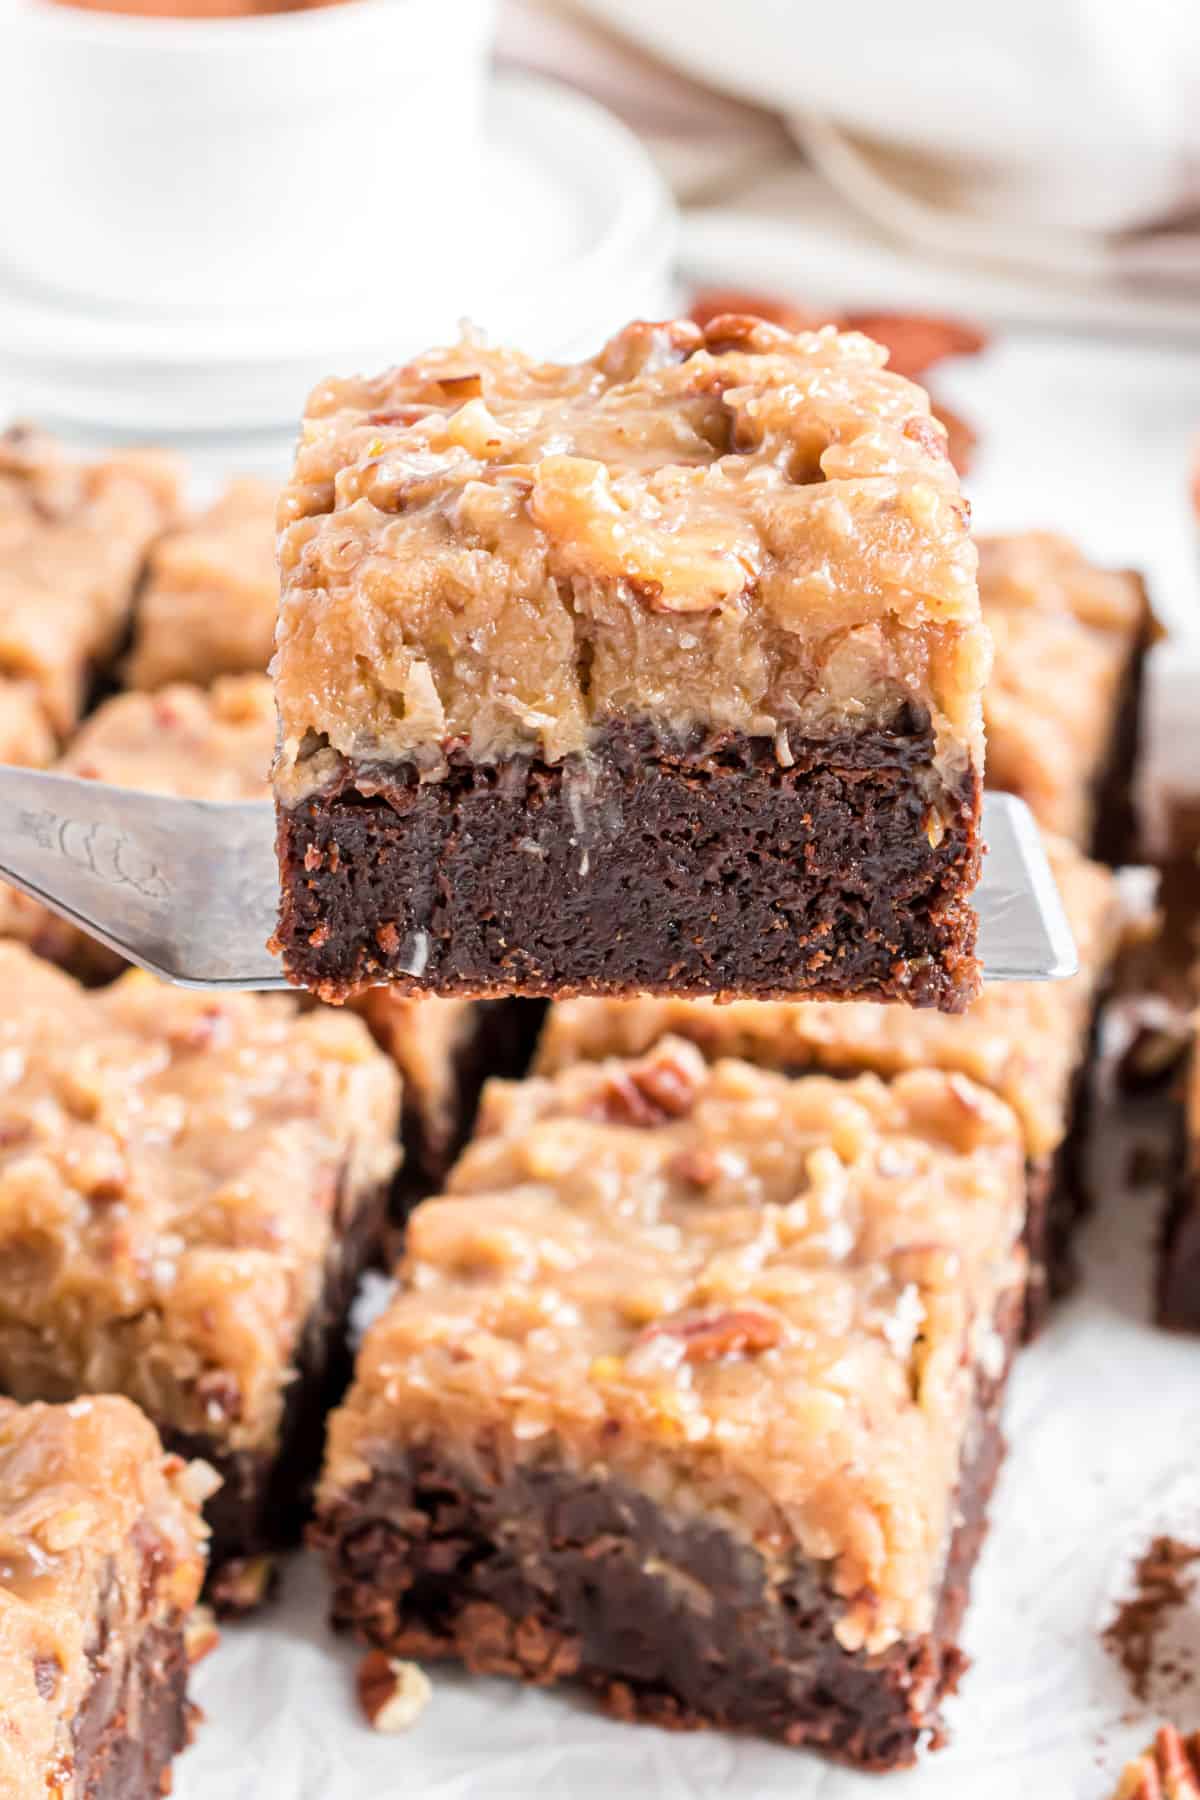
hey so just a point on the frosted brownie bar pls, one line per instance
(683, 640)
(201, 745)
(73, 541)
(101, 1559)
(1029, 1043)
(212, 593)
(690, 1392)
(1063, 705)
(189, 1186)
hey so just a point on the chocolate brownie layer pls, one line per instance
(546, 1576)
(102, 1553)
(264, 1497)
(1179, 1249)
(1114, 806)
(501, 1044)
(132, 1724)
(1058, 1200)
(736, 864)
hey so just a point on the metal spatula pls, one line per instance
(188, 888)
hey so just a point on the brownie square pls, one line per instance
(199, 744)
(690, 1392)
(1029, 1042)
(101, 1558)
(1063, 706)
(75, 537)
(189, 1186)
(660, 672)
(212, 592)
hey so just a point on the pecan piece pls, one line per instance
(708, 1336)
(392, 1694)
(649, 1093)
(468, 386)
(699, 1168)
(922, 430)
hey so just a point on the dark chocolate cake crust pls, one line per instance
(1115, 835)
(1059, 1196)
(549, 1576)
(1178, 1294)
(133, 1722)
(264, 1498)
(730, 866)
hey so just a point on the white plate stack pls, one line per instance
(204, 217)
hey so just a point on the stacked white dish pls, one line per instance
(232, 209)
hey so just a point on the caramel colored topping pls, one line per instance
(212, 594)
(789, 1348)
(101, 1538)
(199, 744)
(73, 538)
(1065, 632)
(914, 341)
(1024, 1041)
(173, 1169)
(733, 528)
(704, 1336)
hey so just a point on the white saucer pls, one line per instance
(573, 234)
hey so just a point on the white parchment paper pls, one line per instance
(1103, 1413)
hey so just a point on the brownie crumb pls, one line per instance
(1161, 1586)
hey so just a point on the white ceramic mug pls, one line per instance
(243, 163)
